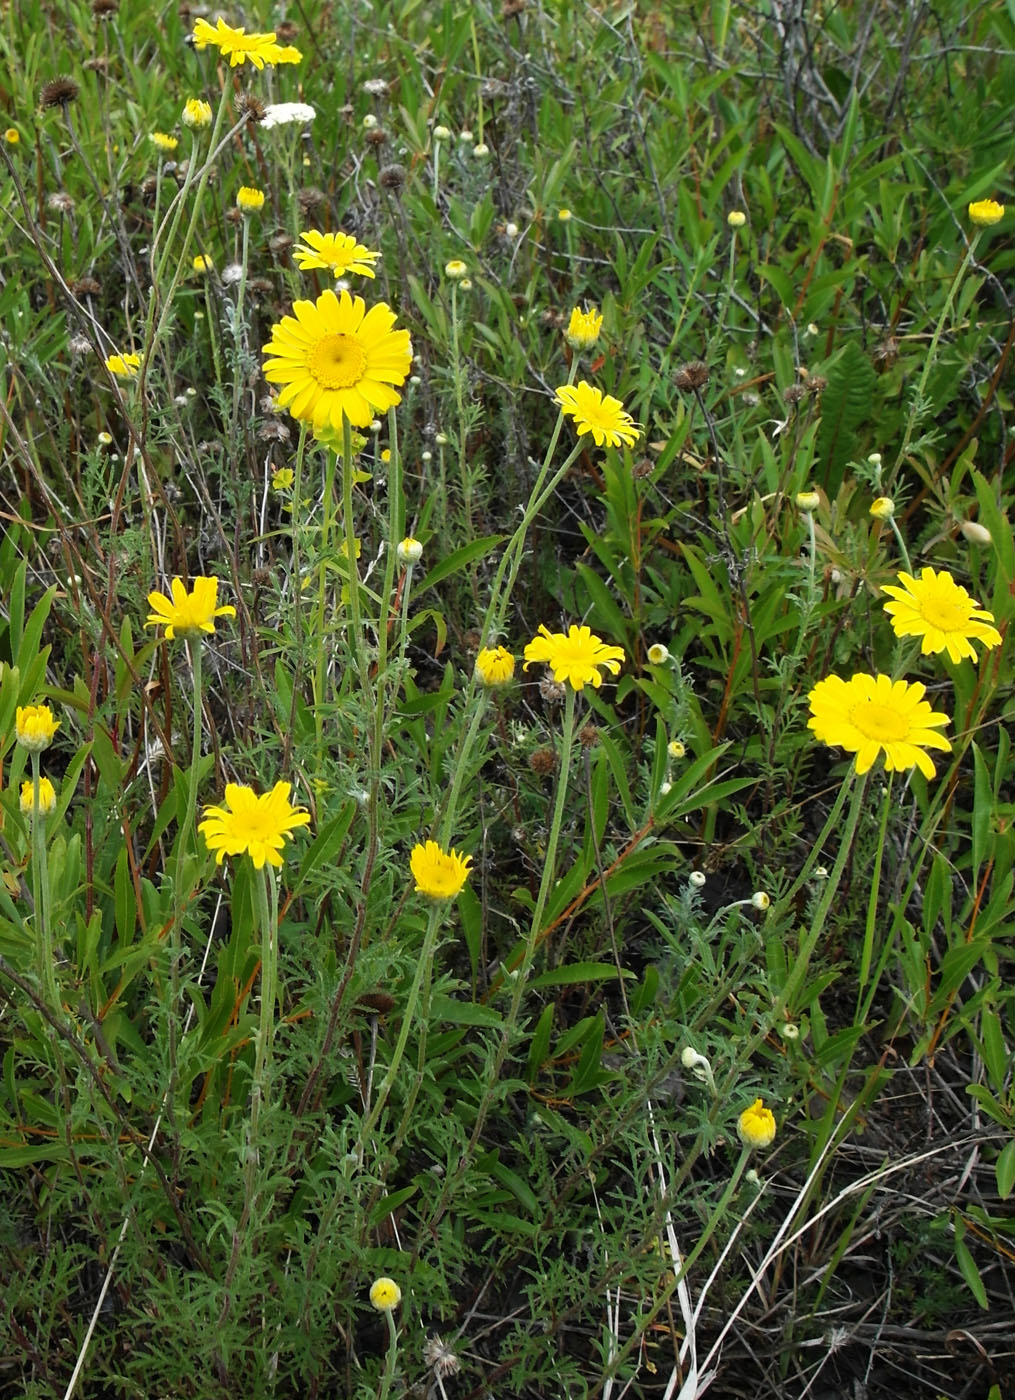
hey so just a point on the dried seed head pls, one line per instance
(85, 287)
(58, 92)
(552, 691)
(588, 736)
(511, 8)
(439, 1356)
(542, 761)
(60, 202)
(102, 9)
(693, 375)
(249, 106)
(310, 199)
(286, 31)
(376, 136)
(817, 384)
(279, 245)
(794, 393)
(392, 177)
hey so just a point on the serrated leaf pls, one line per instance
(845, 405)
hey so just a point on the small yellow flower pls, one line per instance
(202, 264)
(940, 611)
(337, 253)
(283, 479)
(583, 328)
(494, 666)
(252, 825)
(124, 366)
(288, 53)
(35, 727)
(249, 200)
(736, 218)
(409, 551)
(455, 269)
(12, 136)
(883, 508)
(163, 142)
(186, 614)
(756, 1125)
(564, 215)
(675, 749)
(574, 658)
(658, 655)
(196, 113)
(984, 212)
(46, 804)
(438, 874)
(385, 1294)
(597, 413)
(807, 501)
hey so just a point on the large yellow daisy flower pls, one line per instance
(236, 44)
(868, 715)
(334, 356)
(335, 252)
(188, 615)
(574, 658)
(940, 611)
(597, 413)
(252, 825)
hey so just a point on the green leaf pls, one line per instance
(845, 406)
(577, 972)
(1004, 1170)
(463, 1013)
(967, 1265)
(468, 553)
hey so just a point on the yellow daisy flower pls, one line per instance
(583, 328)
(494, 666)
(236, 44)
(35, 727)
(868, 715)
(188, 614)
(574, 658)
(46, 804)
(252, 825)
(202, 263)
(756, 1125)
(249, 200)
(385, 1294)
(165, 143)
(196, 113)
(335, 357)
(984, 212)
(438, 874)
(597, 413)
(124, 366)
(940, 611)
(338, 253)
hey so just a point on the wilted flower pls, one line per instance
(756, 1125)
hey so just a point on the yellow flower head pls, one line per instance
(252, 825)
(188, 614)
(940, 611)
(882, 508)
(564, 215)
(438, 874)
(163, 142)
(385, 1294)
(338, 253)
(12, 136)
(283, 479)
(756, 1125)
(736, 218)
(676, 749)
(597, 413)
(249, 200)
(868, 715)
(35, 727)
(658, 655)
(335, 357)
(455, 269)
(494, 666)
(984, 212)
(574, 658)
(236, 44)
(46, 803)
(202, 264)
(196, 113)
(583, 328)
(124, 366)
(807, 501)
(289, 54)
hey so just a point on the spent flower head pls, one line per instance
(186, 614)
(574, 657)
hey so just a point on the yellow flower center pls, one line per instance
(879, 722)
(943, 614)
(337, 361)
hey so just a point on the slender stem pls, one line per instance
(40, 896)
(322, 651)
(901, 543)
(391, 1359)
(239, 329)
(872, 902)
(356, 638)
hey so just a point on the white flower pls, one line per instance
(285, 113)
(665, 789)
(760, 900)
(696, 879)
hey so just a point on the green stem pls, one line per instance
(391, 1360)
(872, 902)
(322, 651)
(901, 543)
(239, 329)
(41, 897)
(356, 638)
(918, 410)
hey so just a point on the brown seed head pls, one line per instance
(310, 199)
(60, 202)
(552, 691)
(286, 31)
(693, 375)
(58, 92)
(249, 106)
(542, 761)
(392, 177)
(376, 136)
(85, 287)
(102, 9)
(588, 736)
(794, 393)
(279, 245)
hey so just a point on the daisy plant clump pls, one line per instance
(337, 253)
(598, 414)
(941, 613)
